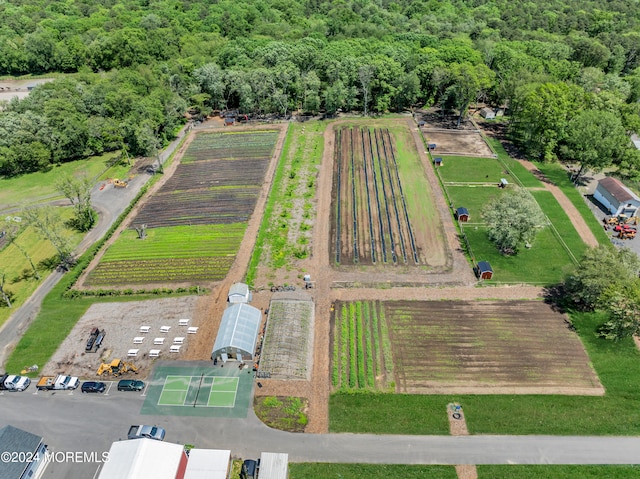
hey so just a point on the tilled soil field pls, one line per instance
(486, 346)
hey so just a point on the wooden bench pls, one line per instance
(154, 353)
(138, 340)
(158, 341)
(179, 340)
(175, 349)
(132, 352)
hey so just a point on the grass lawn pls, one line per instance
(369, 471)
(473, 198)
(561, 222)
(615, 413)
(558, 175)
(545, 263)
(525, 176)
(558, 472)
(13, 263)
(39, 187)
(473, 170)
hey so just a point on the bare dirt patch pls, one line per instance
(458, 142)
(481, 347)
(122, 322)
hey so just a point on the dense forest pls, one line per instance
(568, 70)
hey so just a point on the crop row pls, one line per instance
(160, 271)
(226, 145)
(361, 356)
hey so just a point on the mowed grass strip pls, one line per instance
(527, 179)
(465, 169)
(321, 470)
(558, 472)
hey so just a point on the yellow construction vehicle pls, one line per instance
(120, 183)
(116, 368)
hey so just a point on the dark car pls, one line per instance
(130, 385)
(93, 387)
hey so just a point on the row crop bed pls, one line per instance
(196, 221)
(485, 344)
(370, 218)
(210, 146)
(361, 351)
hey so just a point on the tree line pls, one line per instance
(565, 72)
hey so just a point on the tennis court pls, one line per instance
(199, 391)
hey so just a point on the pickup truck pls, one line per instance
(59, 382)
(151, 432)
(11, 382)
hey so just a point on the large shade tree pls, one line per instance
(513, 219)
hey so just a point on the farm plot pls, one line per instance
(465, 169)
(486, 347)
(178, 254)
(375, 216)
(361, 350)
(458, 142)
(196, 221)
(287, 350)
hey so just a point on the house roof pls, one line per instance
(438, 160)
(617, 189)
(636, 140)
(239, 288)
(462, 211)
(12, 440)
(484, 267)
(208, 464)
(239, 328)
(136, 458)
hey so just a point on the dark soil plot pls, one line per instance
(209, 146)
(486, 347)
(370, 223)
(458, 142)
(216, 206)
(209, 174)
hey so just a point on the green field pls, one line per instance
(473, 198)
(369, 471)
(524, 176)
(466, 169)
(173, 254)
(558, 472)
(615, 413)
(40, 186)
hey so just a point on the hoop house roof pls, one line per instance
(239, 328)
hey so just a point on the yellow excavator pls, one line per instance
(116, 368)
(120, 183)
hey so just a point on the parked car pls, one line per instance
(130, 385)
(93, 387)
(151, 432)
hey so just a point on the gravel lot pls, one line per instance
(122, 322)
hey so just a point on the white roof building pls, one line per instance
(274, 465)
(238, 333)
(144, 458)
(239, 293)
(208, 464)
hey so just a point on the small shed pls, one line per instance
(487, 113)
(432, 146)
(238, 333)
(438, 161)
(274, 465)
(462, 214)
(239, 293)
(616, 198)
(503, 183)
(484, 270)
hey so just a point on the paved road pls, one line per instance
(72, 422)
(110, 203)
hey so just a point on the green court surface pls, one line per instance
(198, 390)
